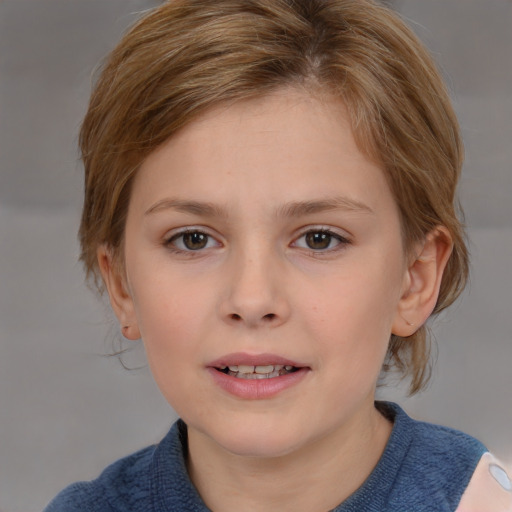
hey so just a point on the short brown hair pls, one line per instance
(187, 56)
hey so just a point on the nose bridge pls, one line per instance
(256, 293)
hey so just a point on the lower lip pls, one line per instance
(257, 389)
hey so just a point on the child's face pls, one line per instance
(292, 255)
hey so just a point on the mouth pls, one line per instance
(256, 376)
(269, 371)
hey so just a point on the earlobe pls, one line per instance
(119, 295)
(422, 282)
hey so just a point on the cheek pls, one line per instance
(357, 302)
(168, 312)
(171, 330)
(351, 315)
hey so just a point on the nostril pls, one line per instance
(235, 317)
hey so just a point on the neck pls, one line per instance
(317, 477)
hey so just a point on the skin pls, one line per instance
(257, 287)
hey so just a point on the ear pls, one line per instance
(119, 294)
(422, 282)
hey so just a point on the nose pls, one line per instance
(256, 293)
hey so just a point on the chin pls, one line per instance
(259, 441)
(267, 448)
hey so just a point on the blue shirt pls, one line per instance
(424, 468)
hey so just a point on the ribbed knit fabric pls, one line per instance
(424, 468)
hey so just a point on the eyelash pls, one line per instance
(170, 242)
(342, 241)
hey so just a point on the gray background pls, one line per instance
(66, 409)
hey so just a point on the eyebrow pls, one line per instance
(192, 207)
(299, 208)
(290, 209)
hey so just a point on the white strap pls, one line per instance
(490, 488)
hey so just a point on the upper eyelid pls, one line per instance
(337, 232)
(175, 234)
(343, 241)
(189, 229)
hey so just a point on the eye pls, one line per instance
(192, 240)
(320, 240)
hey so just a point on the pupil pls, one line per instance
(318, 240)
(195, 241)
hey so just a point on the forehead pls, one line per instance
(288, 146)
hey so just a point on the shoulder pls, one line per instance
(434, 449)
(442, 461)
(490, 487)
(153, 479)
(443, 448)
(123, 486)
(435, 464)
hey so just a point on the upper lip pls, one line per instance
(241, 358)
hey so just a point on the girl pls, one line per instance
(269, 203)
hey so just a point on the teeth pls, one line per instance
(241, 368)
(267, 369)
(255, 376)
(258, 372)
